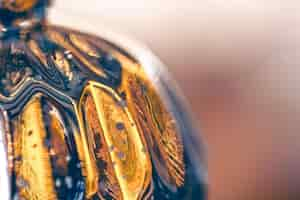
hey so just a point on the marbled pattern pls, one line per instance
(84, 121)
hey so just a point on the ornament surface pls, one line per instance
(81, 118)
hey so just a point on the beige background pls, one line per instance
(238, 63)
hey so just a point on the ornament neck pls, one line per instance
(16, 19)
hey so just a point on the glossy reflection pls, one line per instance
(83, 119)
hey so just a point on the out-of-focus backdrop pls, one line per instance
(237, 62)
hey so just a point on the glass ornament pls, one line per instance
(83, 118)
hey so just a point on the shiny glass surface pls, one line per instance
(83, 118)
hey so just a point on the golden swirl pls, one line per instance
(19, 5)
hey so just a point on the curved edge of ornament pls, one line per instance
(160, 75)
(4, 174)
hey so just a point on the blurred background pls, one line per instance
(237, 62)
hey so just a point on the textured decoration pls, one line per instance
(18, 5)
(82, 119)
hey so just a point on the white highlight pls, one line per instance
(4, 177)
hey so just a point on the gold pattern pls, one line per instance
(109, 183)
(33, 45)
(62, 63)
(83, 45)
(19, 5)
(57, 141)
(59, 39)
(107, 131)
(154, 118)
(33, 168)
(123, 142)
